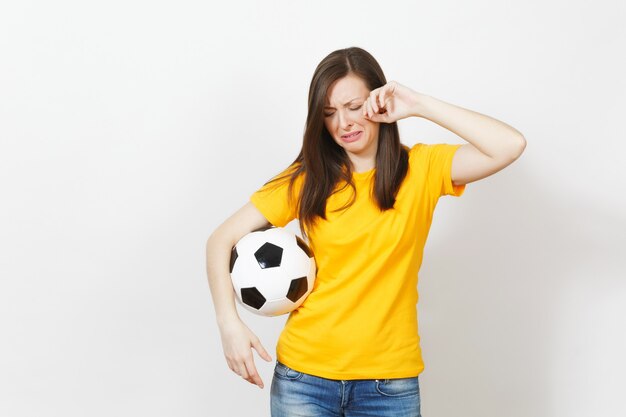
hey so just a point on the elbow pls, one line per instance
(518, 146)
(522, 143)
(221, 237)
(216, 235)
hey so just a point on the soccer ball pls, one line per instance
(272, 270)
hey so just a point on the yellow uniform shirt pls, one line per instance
(360, 320)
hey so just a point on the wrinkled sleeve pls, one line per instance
(271, 199)
(440, 170)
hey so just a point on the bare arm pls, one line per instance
(493, 144)
(237, 339)
(218, 249)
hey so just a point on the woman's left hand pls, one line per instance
(390, 103)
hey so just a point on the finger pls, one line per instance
(250, 380)
(233, 366)
(392, 88)
(387, 92)
(382, 98)
(242, 371)
(380, 118)
(256, 344)
(373, 96)
(374, 118)
(252, 372)
(369, 109)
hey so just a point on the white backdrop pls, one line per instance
(131, 129)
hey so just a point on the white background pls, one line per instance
(131, 129)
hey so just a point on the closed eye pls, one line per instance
(353, 109)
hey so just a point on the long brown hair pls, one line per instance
(323, 163)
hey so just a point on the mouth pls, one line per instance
(351, 137)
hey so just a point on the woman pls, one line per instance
(364, 202)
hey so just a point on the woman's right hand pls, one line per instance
(237, 341)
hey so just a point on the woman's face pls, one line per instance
(343, 116)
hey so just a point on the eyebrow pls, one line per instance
(345, 104)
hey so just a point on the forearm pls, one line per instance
(492, 137)
(218, 252)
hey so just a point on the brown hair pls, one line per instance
(323, 163)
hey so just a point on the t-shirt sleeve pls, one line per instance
(440, 170)
(272, 200)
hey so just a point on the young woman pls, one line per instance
(365, 203)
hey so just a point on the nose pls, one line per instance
(345, 121)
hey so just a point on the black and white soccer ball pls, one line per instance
(272, 270)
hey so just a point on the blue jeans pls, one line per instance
(296, 394)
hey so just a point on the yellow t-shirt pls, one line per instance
(360, 320)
